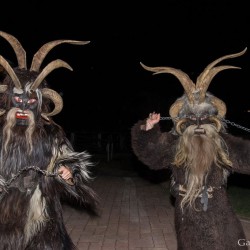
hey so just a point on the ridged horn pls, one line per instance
(217, 123)
(50, 67)
(2, 111)
(3, 88)
(178, 125)
(220, 106)
(175, 108)
(11, 72)
(55, 98)
(210, 71)
(184, 79)
(19, 51)
(44, 50)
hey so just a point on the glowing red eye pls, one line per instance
(30, 101)
(18, 99)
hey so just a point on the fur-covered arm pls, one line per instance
(154, 148)
(80, 194)
(239, 153)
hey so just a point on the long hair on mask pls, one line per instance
(197, 153)
(10, 130)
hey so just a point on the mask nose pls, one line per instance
(23, 105)
(198, 122)
(198, 130)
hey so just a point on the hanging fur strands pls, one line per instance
(201, 155)
(38, 165)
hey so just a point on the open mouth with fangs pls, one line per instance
(22, 115)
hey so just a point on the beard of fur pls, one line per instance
(10, 125)
(197, 153)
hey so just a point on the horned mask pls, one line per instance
(35, 67)
(195, 94)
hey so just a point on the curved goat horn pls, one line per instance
(55, 98)
(220, 106)
(217, 123)
(50, 67)
(44, 50)
(175, 108)
(179, 124)
(3, 88)
(185, 80)
(21, 59)
(19, 51)
(11, 72)
(205, 78)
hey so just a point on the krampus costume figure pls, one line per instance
(200, 155)
(38, 166)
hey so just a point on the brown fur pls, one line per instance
(213, 158)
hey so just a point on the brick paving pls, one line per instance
(135, 214)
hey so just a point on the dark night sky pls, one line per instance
(108, 88)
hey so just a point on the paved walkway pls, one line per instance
(135, 215)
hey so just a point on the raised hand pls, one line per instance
(152, 119)
(65, 173)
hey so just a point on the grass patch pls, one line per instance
(239, 197)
